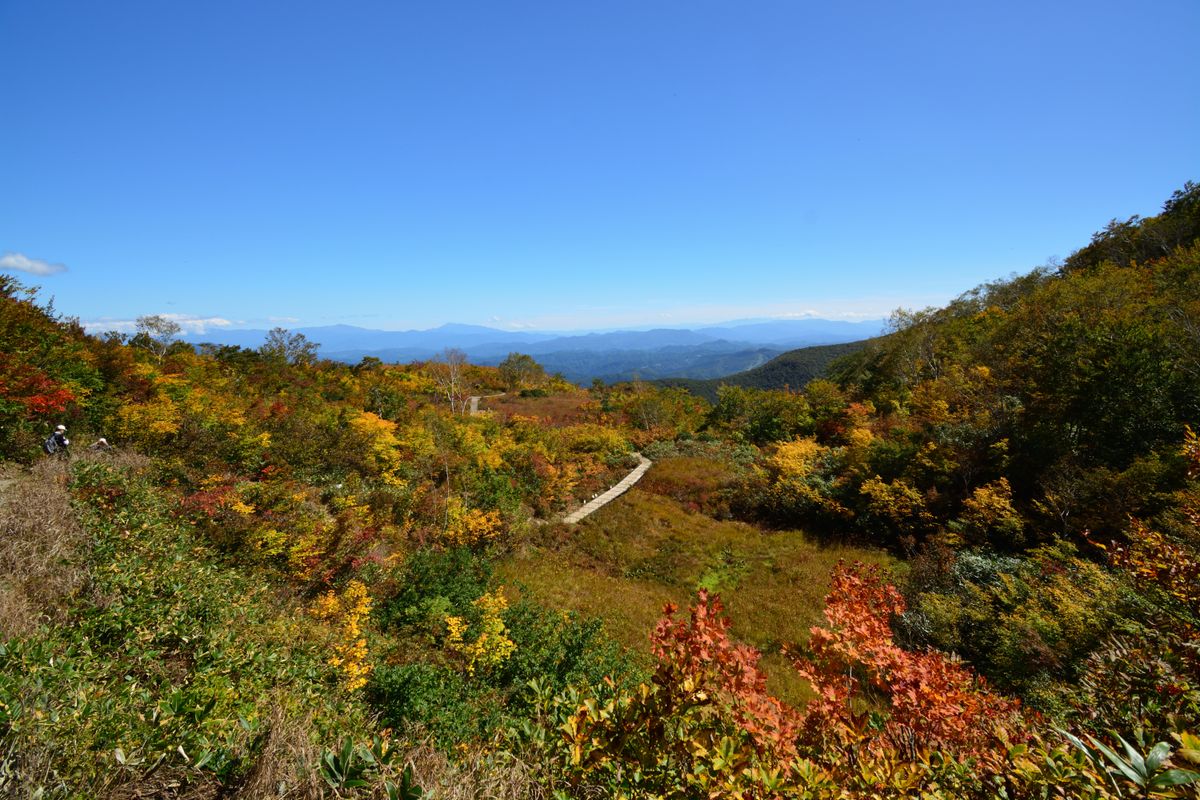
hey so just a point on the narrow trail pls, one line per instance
(475, 398)
(600, 501)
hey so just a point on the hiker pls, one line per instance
(57, 443)
(101, 445)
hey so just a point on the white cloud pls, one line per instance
(191, 324)
(188, 322)
(505, 324)
(283, 319)
(34, 266)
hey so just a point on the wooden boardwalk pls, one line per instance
(475, 398)
(598, 502)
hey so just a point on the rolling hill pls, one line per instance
(791, 369)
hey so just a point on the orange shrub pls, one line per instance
(930, 699)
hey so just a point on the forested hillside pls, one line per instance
(790, 370)
(964, 564)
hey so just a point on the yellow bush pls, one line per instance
(382, 444)
(558, 482)
(305, 547)
(416, 443)
(345, 614)
(213, 407)
(470, 526)
(899, 502)
(241, 507)
(268, 542)
(798, 485)
(493, 646)
(145, 422)
(860, 437)
(989, 514)
(487, 454)
(796, 459)
(590, 438)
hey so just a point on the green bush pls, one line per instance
(559, 648)
(433, 584)
(1023, 622)
(454, 709)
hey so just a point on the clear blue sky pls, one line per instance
(567, 165)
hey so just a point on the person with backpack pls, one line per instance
(57, 443)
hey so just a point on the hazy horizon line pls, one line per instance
(192, 325)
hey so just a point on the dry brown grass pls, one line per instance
(116, 457)
(288, 769)
(18, 760)
(555, 411)
(473, 776)
(287, 765)
(165, 784)
(699, 484)
(41, 544)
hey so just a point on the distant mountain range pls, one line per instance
(702, 352)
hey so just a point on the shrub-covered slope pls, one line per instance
(294, 576)
(792, 369)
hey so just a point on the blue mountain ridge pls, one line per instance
(708, 351)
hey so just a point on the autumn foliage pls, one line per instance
(345, 613)
(1027, 448)
(870, 691)
(45, 370)
(1154, 560)
(699, 662)
(30, 390)
(704, 725)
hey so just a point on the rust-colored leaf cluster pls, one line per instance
(871, 691)
(697, 656)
